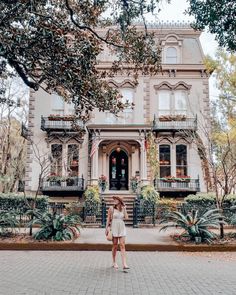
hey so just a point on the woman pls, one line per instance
(115, 219)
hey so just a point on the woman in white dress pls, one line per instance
(115, 220)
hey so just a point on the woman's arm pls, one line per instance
(126, 216)
(108, 218)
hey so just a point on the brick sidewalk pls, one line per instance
(71, 273)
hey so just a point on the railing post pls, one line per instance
(103, 222)
(154, 214)
(135, 213)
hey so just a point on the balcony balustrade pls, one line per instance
(191, 185)
(177, 122)
(70, 184)
(59, 123)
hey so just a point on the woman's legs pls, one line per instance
(123, 252)
(114, 250)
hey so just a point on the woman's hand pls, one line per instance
(107, 230)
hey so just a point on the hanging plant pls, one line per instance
(152, 155)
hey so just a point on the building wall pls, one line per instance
(189, 69)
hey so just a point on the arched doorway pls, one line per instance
(118, 170)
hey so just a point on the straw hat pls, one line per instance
(119, 199)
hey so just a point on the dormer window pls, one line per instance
(171, 55)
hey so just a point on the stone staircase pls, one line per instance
(128, 200)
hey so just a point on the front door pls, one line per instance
(118, 171)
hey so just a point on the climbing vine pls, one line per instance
(152, 155)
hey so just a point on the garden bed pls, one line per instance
(25, 239)
(229, 239)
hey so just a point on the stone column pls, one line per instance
(64, 159)
(133, 161)
(104, 161)
(94, 166)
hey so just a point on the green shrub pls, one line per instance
(166, 205)
(92, 200)
(8, 222)
(75, 208)
(148, 198)
(193, 223)
(57, 227)
(18, 203)
(203, 202)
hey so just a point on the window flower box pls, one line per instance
(167, 118)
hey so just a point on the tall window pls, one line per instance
(127, 96)
(181, 160)
(57, 104)
(56, 167)
(171, 55)
(164, 160)
(164, 102)
(73, 159)
(180, 102)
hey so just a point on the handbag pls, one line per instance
(109, 235)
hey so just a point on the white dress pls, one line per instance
(117, 225)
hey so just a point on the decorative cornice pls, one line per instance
(178, 86)
(125, 83)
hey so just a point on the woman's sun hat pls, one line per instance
(119, 199)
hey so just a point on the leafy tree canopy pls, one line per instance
(54, 44)
(219, 17)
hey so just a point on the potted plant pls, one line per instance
(54, 180)
(134, 183)
(168, 178)
(102, 182)
(183, 178)
(149, 198)
(92, 203)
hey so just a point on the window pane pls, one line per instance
(127, 95)
(73, 159)
(164, 102)
(180, 101)
(57, 103)
(181, 160)
(56, 167)
(165, 171)
(164, 155)
(171, 55)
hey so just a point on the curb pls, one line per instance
(107, 247)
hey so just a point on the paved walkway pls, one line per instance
(134, 236)
(87, 273)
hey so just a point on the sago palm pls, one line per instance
(194, 225)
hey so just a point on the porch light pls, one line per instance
(118, 148)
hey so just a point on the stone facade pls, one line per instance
(177, 98)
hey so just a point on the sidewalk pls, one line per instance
(142, 236)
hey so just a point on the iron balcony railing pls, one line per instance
(71, 184)
(59, 124)
(186, 124)
(167, 185)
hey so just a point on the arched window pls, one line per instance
(181, 160)
(171, 55)
(164, 160)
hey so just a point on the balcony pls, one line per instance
(71, 184)
(60, 123)
(174, 122)
(191, 185)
